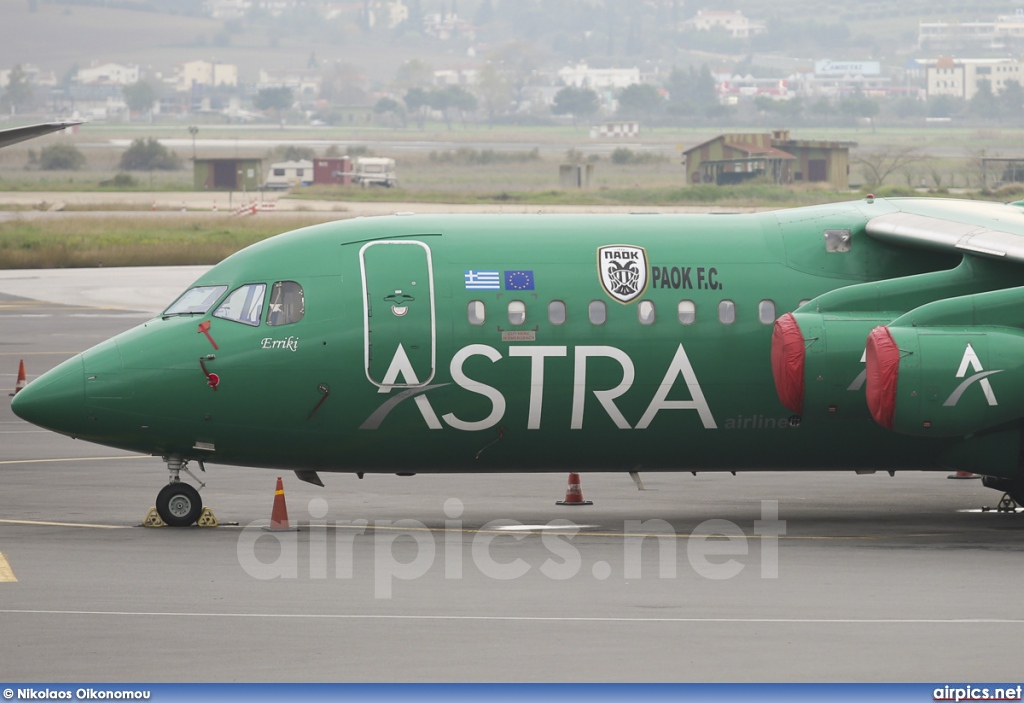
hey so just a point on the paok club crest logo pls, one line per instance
(623, 271)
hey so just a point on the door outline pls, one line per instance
(366, 314)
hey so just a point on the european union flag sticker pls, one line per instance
(519, 280)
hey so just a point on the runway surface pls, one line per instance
(877, 578)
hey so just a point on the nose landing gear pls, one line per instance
(178, 504)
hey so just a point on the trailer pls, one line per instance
(375, 171)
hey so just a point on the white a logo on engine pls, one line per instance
(971, 360)
(623, 271)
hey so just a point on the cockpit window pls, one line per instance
(244, 305)
(196, 301)
(287, 303)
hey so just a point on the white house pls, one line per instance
(582, 76)
(108, 74)
(733, 22)
(458, 76)
(300, 80)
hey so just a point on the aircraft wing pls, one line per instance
(20, 134)
(988, 229)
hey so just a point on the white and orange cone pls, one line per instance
(279, 514)
(21, 382)
(574, 493)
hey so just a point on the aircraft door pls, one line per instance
(398, 313)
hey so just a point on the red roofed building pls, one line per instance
(733, 158)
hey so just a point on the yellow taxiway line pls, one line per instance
(58, 524)
(41, 353)
(74, 458)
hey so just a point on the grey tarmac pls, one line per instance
(879, 578)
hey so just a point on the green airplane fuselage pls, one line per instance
(437, 343)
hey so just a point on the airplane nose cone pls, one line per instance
(55, 400)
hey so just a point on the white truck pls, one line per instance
(375, 171)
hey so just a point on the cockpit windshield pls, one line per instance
(196, 301)
(245, 304)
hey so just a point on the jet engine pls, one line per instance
(818, 351)
(945, 381)
(818, 361)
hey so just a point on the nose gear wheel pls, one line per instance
(179, 504)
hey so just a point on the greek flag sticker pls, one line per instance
(483, 280)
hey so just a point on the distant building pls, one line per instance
(96, 102)
(389, 13)
(733, 89)
(950, 36)
(460, 76)
(302, 81)
(733, 158)
(332, 170)
(108, 74)
(960, 77)
(206, 74)
(838, 79)
(228, 9)
(582, 76)
(35, 75)
(732, 22)
(227, 174)
(445, 25)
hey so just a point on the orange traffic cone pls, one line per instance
(574, 493)
(21, 378)
(279, 515)
(963, 474)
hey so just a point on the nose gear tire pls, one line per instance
(179, 504)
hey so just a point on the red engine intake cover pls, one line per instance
(788, 352)
(883, 371)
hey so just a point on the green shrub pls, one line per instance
(149, 155)
(61, 157)
(121, 180)
(465, 156)
(622, 156)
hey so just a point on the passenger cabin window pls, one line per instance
(687, 312)
(727, 312)
(517, 312)
(766, 312)
(598, 312)
(244, 305)
(645, 312)
(287, 303)
(556, 312)
(476, 312)
(196, 301)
